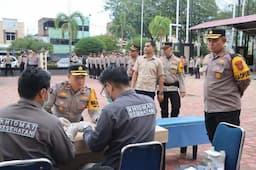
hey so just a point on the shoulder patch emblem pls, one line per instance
(239, 65)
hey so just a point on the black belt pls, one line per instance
(176, 83)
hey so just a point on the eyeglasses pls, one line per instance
(102, 92)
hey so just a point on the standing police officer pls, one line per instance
(69, 99)
(174, 85)
(227, 77)
(26, 130)
(134, 54)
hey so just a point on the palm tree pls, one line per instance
(159, 28)
(69, 25)
(122, 29)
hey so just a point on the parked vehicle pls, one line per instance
(65, 62)
(15, 62)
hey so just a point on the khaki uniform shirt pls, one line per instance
(149, 71)
(63, 102)
(27, 131)
(98, 62)
(221, 90)
(131, 64)
(173, 72)
(112, 59)
(33, 60)
(8, 59)
(122, 61)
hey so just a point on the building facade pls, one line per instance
(50, 34)
(10, 30)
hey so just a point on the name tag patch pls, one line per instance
(140, 110)
(18, 127)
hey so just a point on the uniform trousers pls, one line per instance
(8, 67)
(213, 119)
(147, 93)
(174, 98)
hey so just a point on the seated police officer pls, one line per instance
(69, 98)
(26, 130)
(128, 118)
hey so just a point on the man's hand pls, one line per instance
(160, 97)
(182, 94)
(74, 128)
(65, 122)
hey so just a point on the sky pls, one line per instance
(30, 11)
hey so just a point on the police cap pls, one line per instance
(135, 48)
(77, 70)
(215, 33)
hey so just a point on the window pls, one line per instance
(10, 36)
(83, 28)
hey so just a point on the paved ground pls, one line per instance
(192, 104)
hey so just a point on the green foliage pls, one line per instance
(159, 27)
(136, 41)
(70, 25)
(109, 41)
(89, 45)
(30, 43)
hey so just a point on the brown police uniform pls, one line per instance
(173, 83)
(64, 102)
(226, 79)
(27, 132)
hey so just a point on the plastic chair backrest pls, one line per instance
(142, 156)
(28, 164)
(230, 138)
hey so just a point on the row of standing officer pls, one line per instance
(98, 63)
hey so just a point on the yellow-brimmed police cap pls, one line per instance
(77, 70)
(215, 33)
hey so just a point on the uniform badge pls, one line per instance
(239, 65)
(217, 75)
(221, 60)
(61, 108)
(63, 94)
(80, 68)
(84, 97)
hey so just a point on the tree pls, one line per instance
(159, 27)
(109, 41)
(30, 43)
(136, 41)
(69, 25)
(89, 45)
(201, 11)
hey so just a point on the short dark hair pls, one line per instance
(116, 75)
(151, 43)
(31, 81)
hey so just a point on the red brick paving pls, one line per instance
(192, 104)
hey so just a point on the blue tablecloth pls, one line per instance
(184, 131)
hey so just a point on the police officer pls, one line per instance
(26, 130)
(134, 54)
(69, 99)
(8, 64)
(174, 85)
(148, 72)
(227, 77)
(33, 59)
(129, 118)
